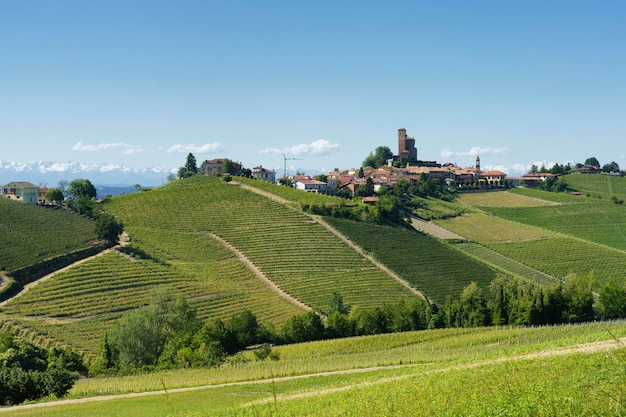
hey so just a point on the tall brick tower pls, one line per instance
(406, 146)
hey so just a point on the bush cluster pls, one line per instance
(29, 372)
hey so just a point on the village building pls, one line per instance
(264, 174)
(530, 180)
(406, 147)
(24, 192)
(215, 167)
(311, 186)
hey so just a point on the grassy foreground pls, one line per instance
(484, 371)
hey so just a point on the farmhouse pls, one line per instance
(24, 192)
(312, 186)
(264, 174)
(216, 166)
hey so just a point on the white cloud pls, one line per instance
(475, 151)
(320, 147)
(193, 148)
(125, 147)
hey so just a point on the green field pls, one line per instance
(299, 255)
(579, 235)
(597, 185)
(31, 233)
(435, 372)
(427, 264)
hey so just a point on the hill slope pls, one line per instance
(31, 233)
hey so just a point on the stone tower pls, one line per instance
(406, 146)
(477, 162)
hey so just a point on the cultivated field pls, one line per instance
(30, 233)
(430, 266)
(578, 236)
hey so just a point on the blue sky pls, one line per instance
(143, 83)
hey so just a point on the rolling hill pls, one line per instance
(226, 248)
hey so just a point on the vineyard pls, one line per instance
(424, 262)
(501, 199)
(299, 255)
(579, 236)
(77, 305)
(602, 185)
(504, 264)
(30, 233)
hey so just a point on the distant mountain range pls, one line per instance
(46, 173)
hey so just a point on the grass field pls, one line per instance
(453, 371)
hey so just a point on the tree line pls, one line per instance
(30, 372)
(168, 334)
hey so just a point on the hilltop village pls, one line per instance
(403, 165)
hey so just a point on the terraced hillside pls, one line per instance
(422, 260)
(295, 252)
(566, 235)
(31, 233)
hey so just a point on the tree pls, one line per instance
(140, 337)
(108, 228)
(190, 165)
(303, 328)
(62, 186)
(81, 188)
(592, 161)
(54, 195)
(27, 374)
(170, 177)
(228, 167)
(611, 167)
(336, 304)
(474, 310)
(82, 205)
(379, 158)
(367, 189)
(578, 295)
(612, 301)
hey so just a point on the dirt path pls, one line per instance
(604, 345)
(259, 274)
(123, 242)
(432, 229)
(338, 234)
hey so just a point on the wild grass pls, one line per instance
(482, 371)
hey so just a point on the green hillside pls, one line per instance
(594, 185)
(566, 235)
(426, 263)
(31, 233)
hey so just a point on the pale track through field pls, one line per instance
(592, 347)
